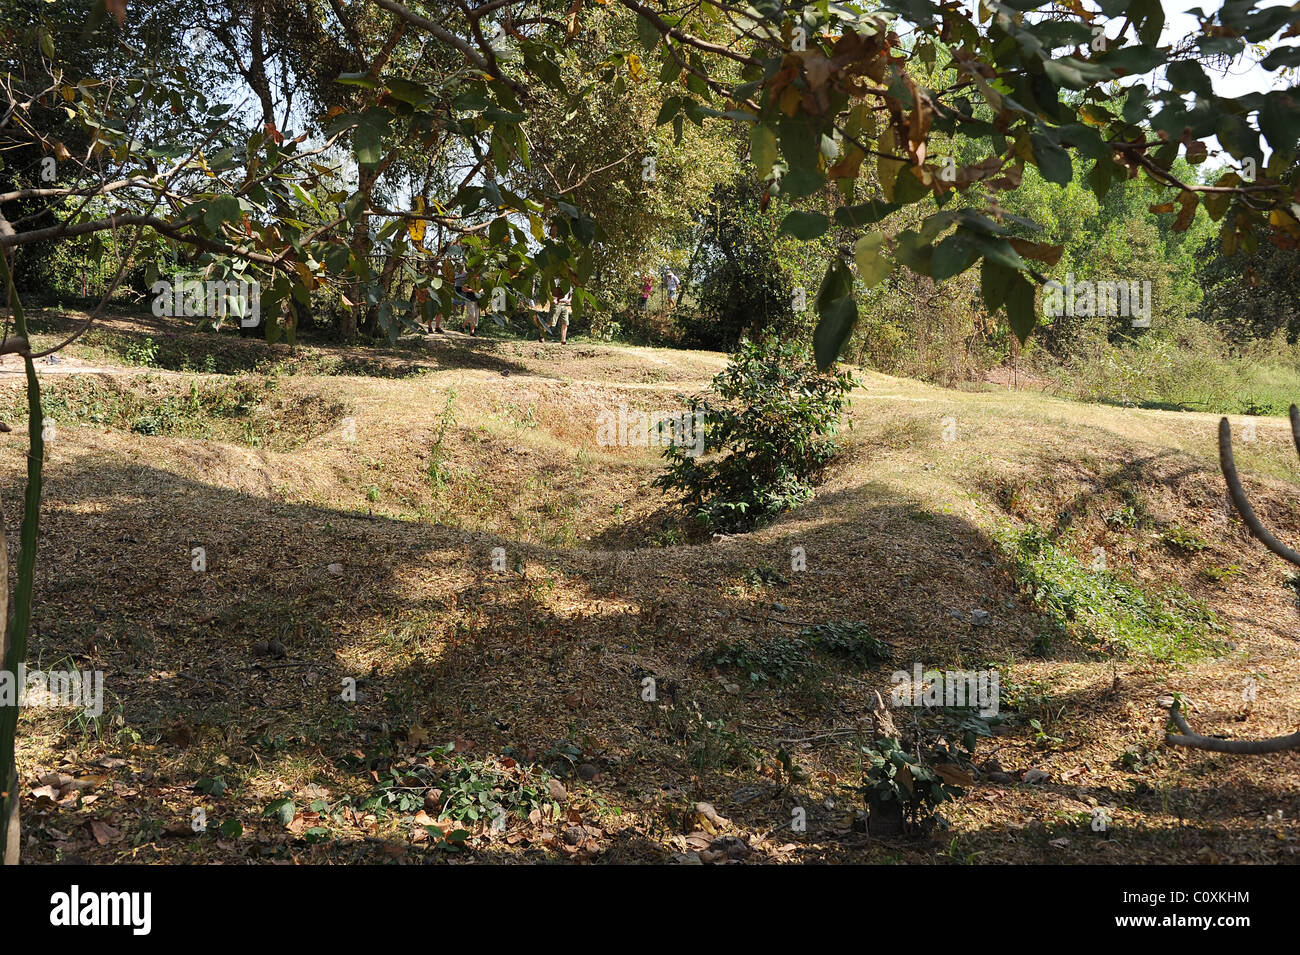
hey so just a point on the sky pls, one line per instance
(1245, 75)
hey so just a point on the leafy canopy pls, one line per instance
(851, 111)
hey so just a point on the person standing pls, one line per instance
(470, 300)
(647, 286)
(671, 284)
(560, 314)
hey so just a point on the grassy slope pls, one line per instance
(554, 654)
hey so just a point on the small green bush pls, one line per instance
(1184, 540)
(769, 430)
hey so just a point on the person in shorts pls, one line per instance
(560, 314)
(671, 284)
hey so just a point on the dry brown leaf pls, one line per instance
(104, 833)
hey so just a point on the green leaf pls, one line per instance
(1075, 74)
(995, 279)
(1237, 136)
(868, 213)
(1216, 204)
(953, 256)
(1085, 141)
(366, 142)
(1281, 57)
(803, 181)
(1280, 120)
(805, 225)
(1052, 161)
(1149, 17)
(221, 209)
(283, 809)
(494, 115)
(914, 251)
(470, 102)
(1020, 307)
(543, 68)
(647, 33)
(1137, 104)
(837, 313)
(417, 94)
(358, 79)
(353, 207)
(671, 69)
(1186, 76)
(998, 249)
(762, 148)
(908, 188)
(798, 145)
(1100, 177)
(1133, 59)
(872, 266)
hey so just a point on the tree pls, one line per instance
(596, 143)
(743, 289)
(1253, 294)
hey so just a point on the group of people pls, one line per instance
(466, 298)
(671, 284)
(561, 311)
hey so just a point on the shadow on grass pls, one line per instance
(551, 653)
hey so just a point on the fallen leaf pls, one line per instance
(104, 833)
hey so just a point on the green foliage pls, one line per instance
(910, 776)
(1185, 365)
(143, 352)
(849, 640)
(1184, 540)
(250, 409)
(779, 660)
(745, 290)
(1252, 295)
(1221, 575)
(1126, 515)
(600, 140)
(717, 744)
(764, 576)
(446, 423)
(484, 791)
(787, 660)
(897, 781)
(1105, 610)
(769, 430)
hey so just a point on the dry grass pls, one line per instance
(604, 587)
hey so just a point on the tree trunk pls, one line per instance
(350, 319)
(9, 774)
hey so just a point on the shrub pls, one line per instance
(769, 430)
(905, 780)
(902, 790)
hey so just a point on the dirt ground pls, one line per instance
(356, 645)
